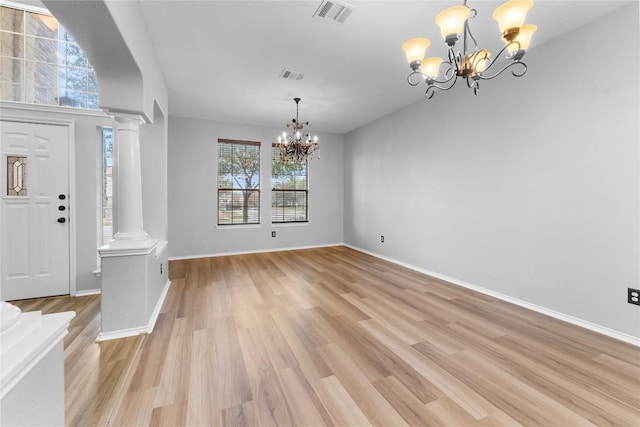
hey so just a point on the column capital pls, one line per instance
(122, 117)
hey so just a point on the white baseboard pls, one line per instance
(124, 333)
(88, 292)
(176, 258)
(612, 333)
(156, 310)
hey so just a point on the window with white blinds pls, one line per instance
(289, 189)
(238, 182)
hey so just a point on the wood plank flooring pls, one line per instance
(332, 336)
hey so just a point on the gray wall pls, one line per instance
(530, 189)
(87, 164)
(153, 162)
(193, 183)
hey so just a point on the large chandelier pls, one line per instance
(297, 146)
(470, 63)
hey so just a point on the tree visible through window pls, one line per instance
(289, 189)
(238, 182)
(40, 63)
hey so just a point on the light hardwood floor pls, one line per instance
(95, 373)
(332, 336)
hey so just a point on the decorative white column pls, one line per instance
(133, 272)
(129, 182)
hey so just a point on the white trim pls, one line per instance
(72, 208)
(156, 310)
(130, 332)
(237, 226)
(290, 224)
(117, 248)
(621, 336)
(51, 109)
(27, 7)
(181, 257)
(88, 292)
(122, 333)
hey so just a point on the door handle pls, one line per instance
(62, 220)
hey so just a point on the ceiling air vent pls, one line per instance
(291, 75)
(333, 11)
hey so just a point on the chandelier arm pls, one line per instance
(475, 85)
(514, 54)
(450, 72)
(468, 33)
(492, 62)
(506, 67)
(447, 78)
(469, 84)
(411, 82)
(434, 85)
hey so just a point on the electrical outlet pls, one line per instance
(273, 234)
(381, 239)
(633, 296)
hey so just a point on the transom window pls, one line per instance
(40, 63)
(289, 189)
(238, 182)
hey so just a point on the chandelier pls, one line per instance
(295, 147)
(471, 63)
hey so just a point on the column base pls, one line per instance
(127, 247)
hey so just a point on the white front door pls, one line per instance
(35, 210)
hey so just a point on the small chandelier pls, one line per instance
(471, 64)
(295, 147)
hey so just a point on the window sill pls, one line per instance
(237, 226)
(290, 224)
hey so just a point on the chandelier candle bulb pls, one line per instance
(523, 40)
(451, 22)
(431, 67)
(510, 17)
(415, 49)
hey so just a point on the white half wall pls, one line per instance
(530, 189)
(192, 188)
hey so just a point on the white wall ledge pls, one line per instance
(29, 342)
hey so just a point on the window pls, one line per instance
(289, 189)
(107, 185)
(40, 62)
(238, 182)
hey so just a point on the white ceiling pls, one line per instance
(222, 59)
